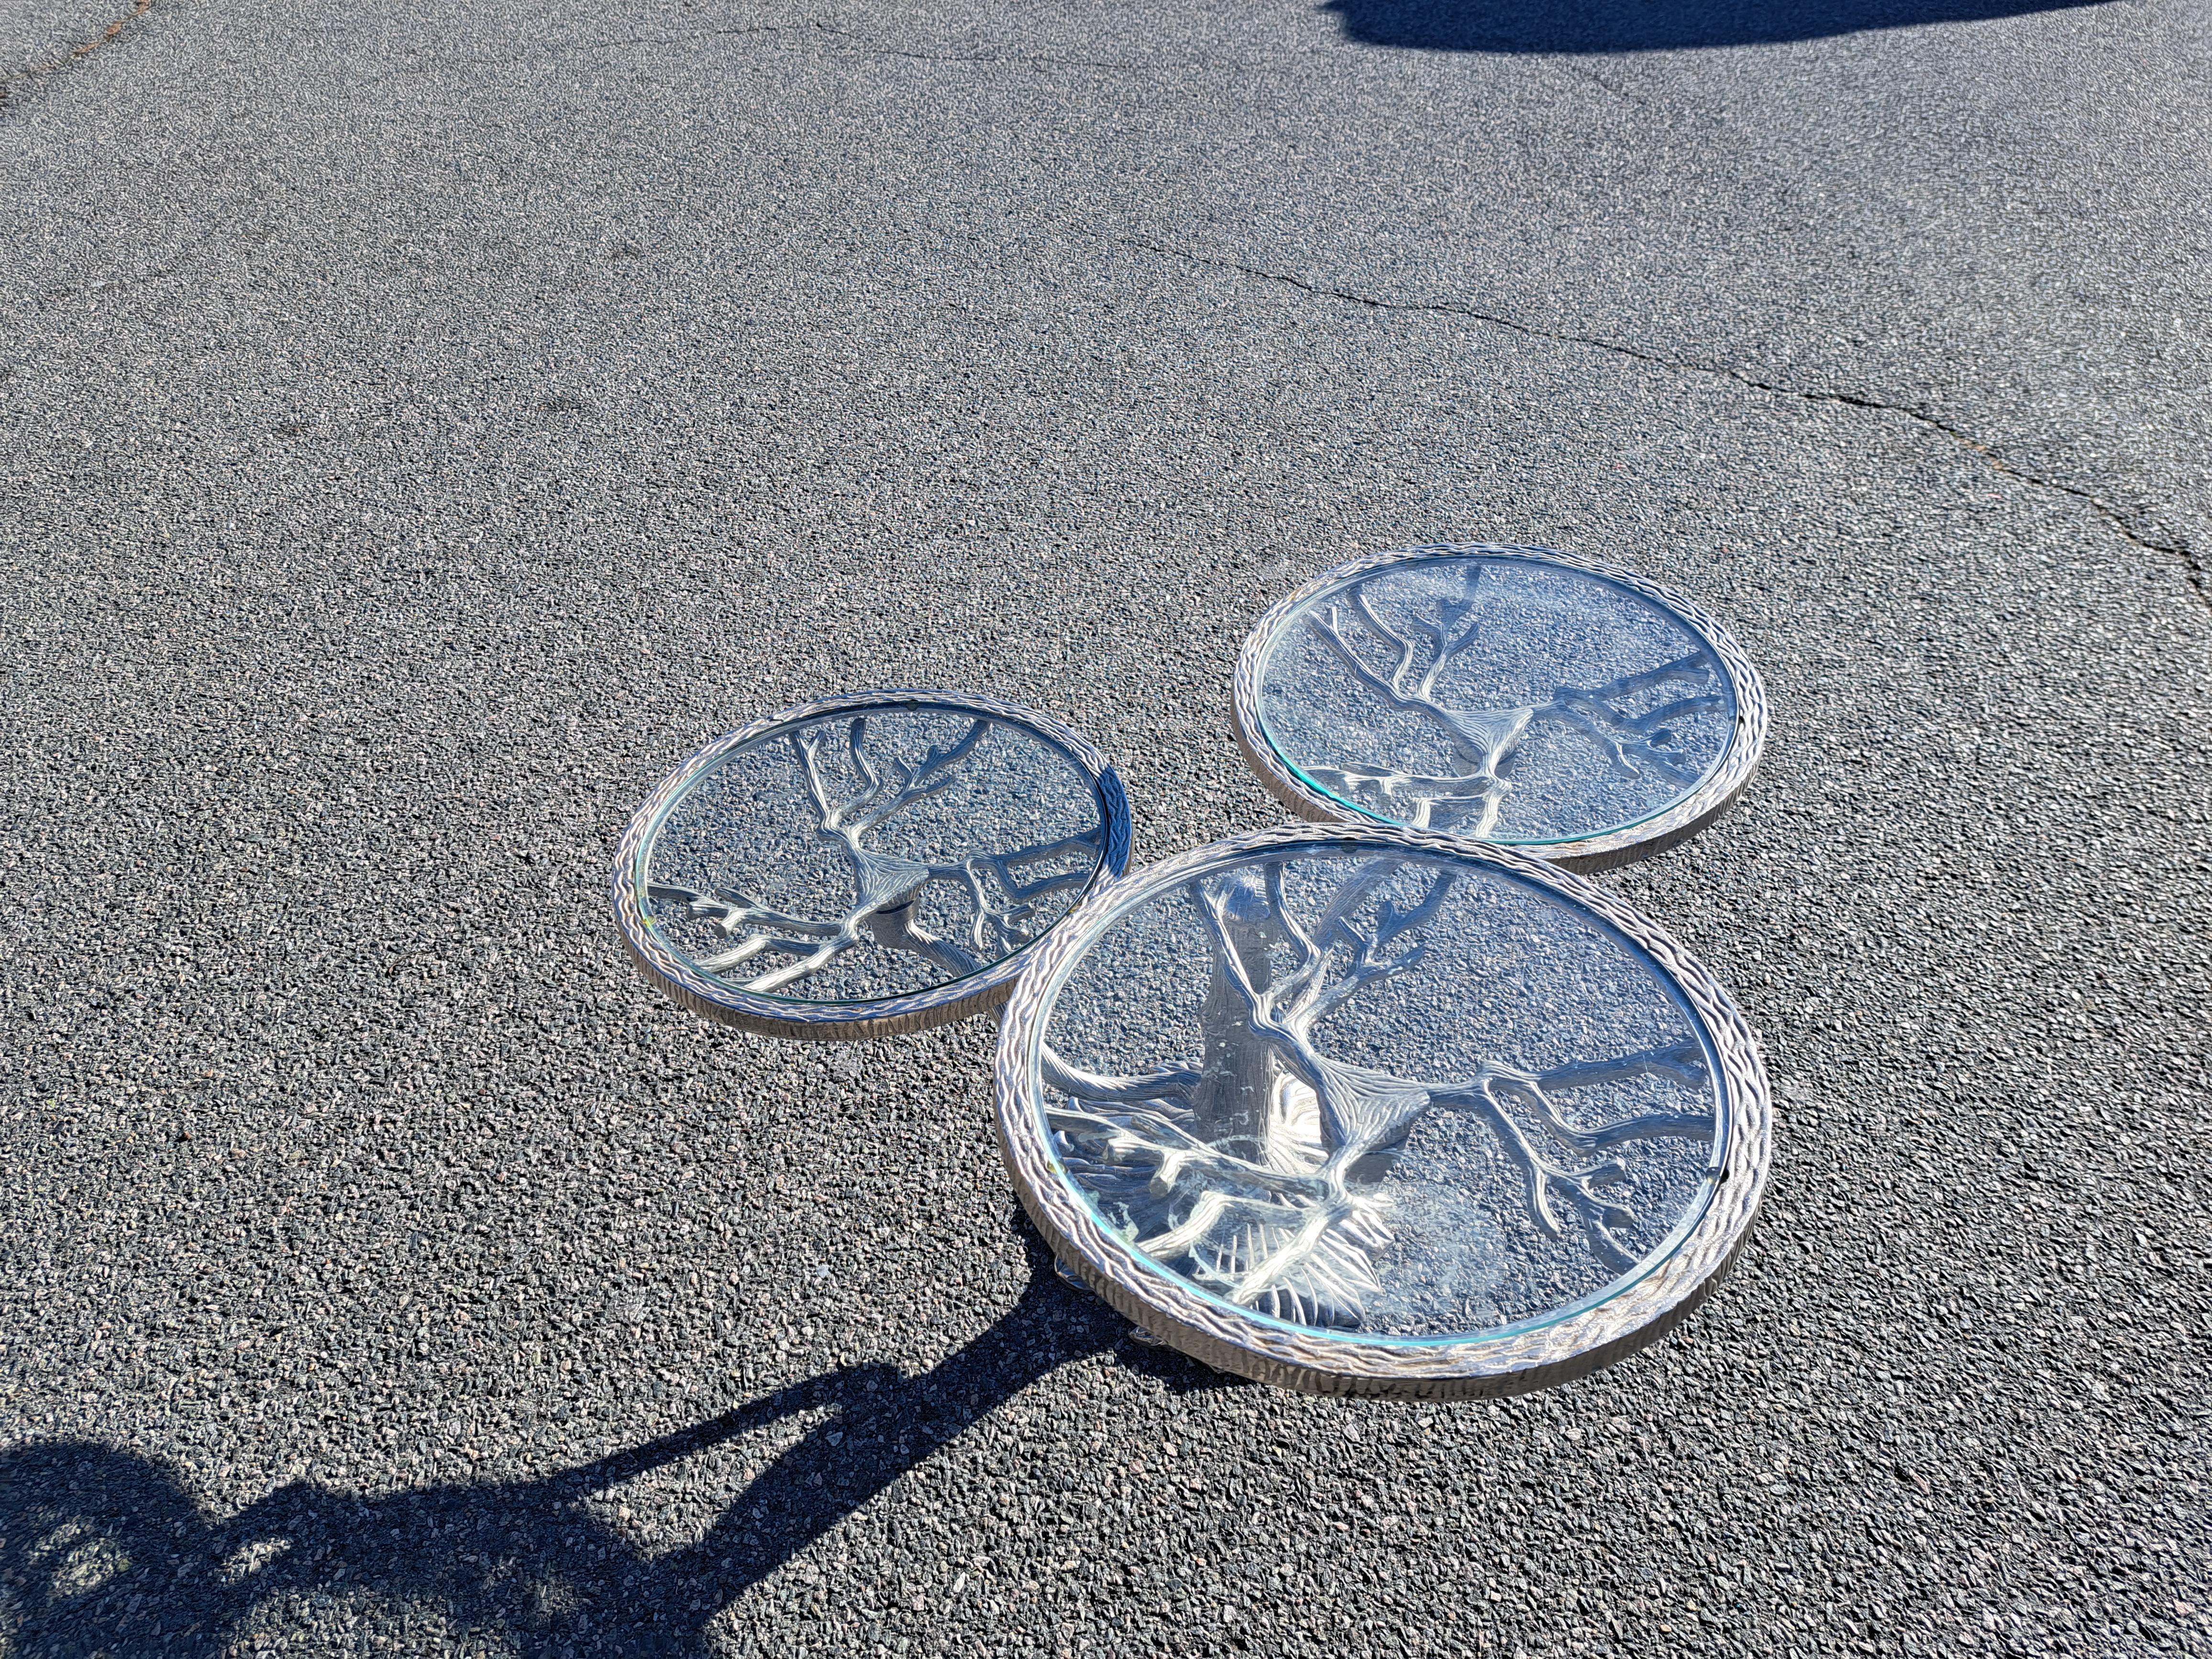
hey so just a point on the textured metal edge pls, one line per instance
(1312, 1361)
(1703, 806)
(833, 1022)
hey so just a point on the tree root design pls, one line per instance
(1286, 1212)
(1481, 741)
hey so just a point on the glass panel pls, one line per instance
(1503, 699)
(1381, 1092)
(872, 855)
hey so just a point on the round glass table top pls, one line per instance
(1512, 694)
(1372, 1111)
(871, 864)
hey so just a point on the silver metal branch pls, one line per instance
(1480, 741)
(1288, 1217)
(1638, 743)
(885, 887)
(1547, 1181)
(1173, 1084)
(1002, 928)
(1368, 965)
(932, 773)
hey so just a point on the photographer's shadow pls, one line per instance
(103, 1551)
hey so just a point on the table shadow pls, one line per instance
(103, 1551)
(1597, 26)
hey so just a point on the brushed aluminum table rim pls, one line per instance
(1313, 1361)
(1703, 805)
(837, 1022)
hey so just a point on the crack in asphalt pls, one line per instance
(76, 54)
(112, 284)
(1591, 77)
(2157, 539)
(1036, 59)
(863, 47)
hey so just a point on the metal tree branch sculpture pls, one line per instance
(1481, 740)
(1258, 1169)
(885, 887)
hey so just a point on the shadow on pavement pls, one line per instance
(103, 1552)
(1571, 25)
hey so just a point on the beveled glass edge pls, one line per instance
(1669, 826)
(1248, 1344)
(674, 974)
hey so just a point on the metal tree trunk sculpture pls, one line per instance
(1260, 1169)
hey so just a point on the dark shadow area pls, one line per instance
(103, 1551)
(1572, 26)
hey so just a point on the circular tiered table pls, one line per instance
(867, 865)
(1511, 695)
(1376, 1111)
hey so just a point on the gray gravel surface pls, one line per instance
(423, 427)
(42, 38)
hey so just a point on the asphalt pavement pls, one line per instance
(424, 426)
